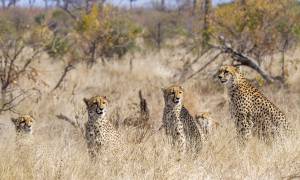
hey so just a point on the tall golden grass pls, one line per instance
(59, 150)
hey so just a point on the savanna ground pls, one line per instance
(59, 150)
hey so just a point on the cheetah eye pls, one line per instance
(180, 92)
(95, 105)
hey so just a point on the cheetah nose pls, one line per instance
(101, 109)
(219, 76)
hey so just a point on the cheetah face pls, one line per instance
(96, 106)
(23, 124)
(173, 95)
(227, 74)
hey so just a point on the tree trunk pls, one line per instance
(162, 5)
(247, 61)
(57, 3)
(3, 99)
(131, 63)
(3, 4)
(194, 7)
(130, 1)
(282, 66)
(207, 4)
(144, 111)
(159, 35)
(92, 53)
(46, 4)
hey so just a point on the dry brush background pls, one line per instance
(59, 150)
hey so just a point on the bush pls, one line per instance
(105, 34)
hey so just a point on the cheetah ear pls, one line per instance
(105, 97)
(181, 88)
(31, 114)
(237, 67)
(163, 90)
(86, 101)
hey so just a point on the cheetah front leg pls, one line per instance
(181, 140)
(244, 125)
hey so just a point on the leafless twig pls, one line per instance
(73, 123)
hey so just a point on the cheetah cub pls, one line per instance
(179, 125)
(206, 124)
(99, 132)
(23, 124)
(252, 112)
(24, 128)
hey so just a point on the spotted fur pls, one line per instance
(179, 125)
(24, 140)
(253, 113)
(99, 132)
(206, 124)
(23, 124)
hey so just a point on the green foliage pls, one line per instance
(258, 27)
(40, 19)
(159, 27)
(105, 33)
(11, 31)
(57, 47)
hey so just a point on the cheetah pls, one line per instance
(179, 125)
(99, 131)
(253, 113)
(23, 124)
(206, 124)
(24, 140)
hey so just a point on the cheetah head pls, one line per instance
(96, 106)
(173, 95)
(227, 74)
(23, 124)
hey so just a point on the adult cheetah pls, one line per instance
(99, 132)
(179, 125)
(253, 113)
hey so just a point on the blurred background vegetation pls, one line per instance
(90, 31)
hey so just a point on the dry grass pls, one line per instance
(59, 150)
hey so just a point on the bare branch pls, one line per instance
(244, 60)
(71, 122)
(69, 13)
(16, 100)
(68, 68)
(203, 67)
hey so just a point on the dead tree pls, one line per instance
(242, 59)
(3, 3)
(144, 111)
(194, 6)
(162, 5)
(205, 34)
(141, 121)
(13, 66)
